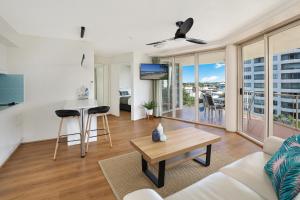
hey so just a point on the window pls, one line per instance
(259, 76)
(247, 84)
(259, 60)
(274, 85)
(290, 76)
(274, 58)
(289, 66)
(247, 69)
(247, 77)
(247, 62)
(258, 85)
(259, 110)
(290, 56)
(275, 67)
(275, 103)
(259, 68)
(259, 102)
(275, 76)
(288, 105)
(290, 85)
(288, 95)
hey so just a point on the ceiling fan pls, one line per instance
(183, 28)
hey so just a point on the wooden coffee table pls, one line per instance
(182, 145)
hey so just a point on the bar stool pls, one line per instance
(64, 114)
(100, 111)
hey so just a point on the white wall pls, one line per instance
(125, 77)
(114, 90)
(102, 84)
(141, 89)
(10, 119)
(10, 132)
(3, 58)
(52, 74)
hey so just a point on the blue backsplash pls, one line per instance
(11, 88)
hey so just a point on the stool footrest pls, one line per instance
(65, 135)
(68, 141)
(98, 135)
(98, 129)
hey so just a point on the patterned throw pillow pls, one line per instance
(283, 169)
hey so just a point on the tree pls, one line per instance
(187, 99)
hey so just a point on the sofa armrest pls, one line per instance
(143, 194)
(272, 144)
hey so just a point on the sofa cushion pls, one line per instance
(143, 194)
(216, 186)
(284, 168)
(272, 144)
(250, 171)
(290, 184)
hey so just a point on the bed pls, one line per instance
(125, 100)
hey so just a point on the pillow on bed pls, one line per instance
(124, 93)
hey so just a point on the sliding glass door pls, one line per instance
(270, 84)
(195, 94)
(166, 90)
(253, 90)
(185, 87)
(284, 56)
(211, 70)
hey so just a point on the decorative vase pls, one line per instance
(160, 129)
(155, 135)
(163, 138)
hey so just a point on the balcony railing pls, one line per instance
(285, 107)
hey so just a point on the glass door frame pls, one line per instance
(241, 88)
(268, 62)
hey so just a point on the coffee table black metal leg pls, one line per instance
(158, 181)
(205, 162)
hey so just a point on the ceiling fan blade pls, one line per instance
(186, 26)
(197, 41)
(159, 42)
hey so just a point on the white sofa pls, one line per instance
(243, 179)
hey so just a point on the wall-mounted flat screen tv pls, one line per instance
(154, 71)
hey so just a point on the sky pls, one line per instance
(207, 73)
(153, 68)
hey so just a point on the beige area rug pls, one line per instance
(124, 173)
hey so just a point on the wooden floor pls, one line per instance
(188, 113)
(32, 174)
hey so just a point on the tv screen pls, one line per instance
(154, 71)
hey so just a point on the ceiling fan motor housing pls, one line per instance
(179, 23)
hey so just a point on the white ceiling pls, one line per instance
(120, 26)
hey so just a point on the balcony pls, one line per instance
(188, 114)
(285, 118)
(254, 127)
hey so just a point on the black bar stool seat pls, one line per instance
(67, 113)
(100, 111)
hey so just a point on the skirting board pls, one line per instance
(10, 153)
